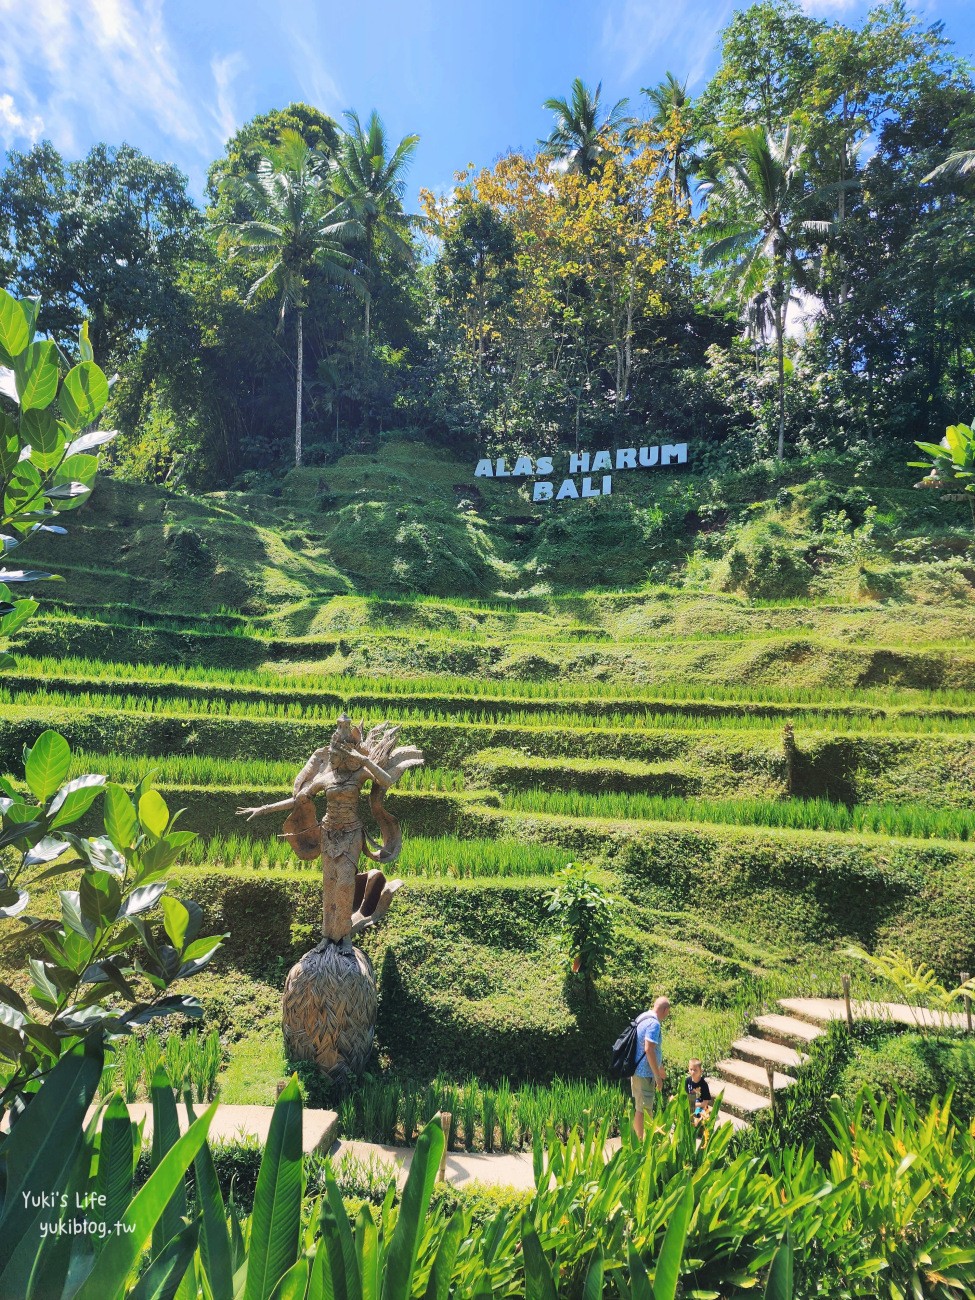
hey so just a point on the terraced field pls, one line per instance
(756, 786)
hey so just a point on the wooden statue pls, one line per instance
(329, 1006)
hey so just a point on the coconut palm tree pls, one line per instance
(957, 166)
(372, 181)
(667, 98)
(760, 190)
(579, 136)
(295, 226)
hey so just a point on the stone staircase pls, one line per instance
(776, 1040)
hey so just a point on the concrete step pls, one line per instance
(751, 1075)
(736, 1122)
(786, 1030)
(736, 1099)
(763, 1049)
(815, 1011)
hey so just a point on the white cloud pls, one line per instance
(15, 128)
(302, 29)
(828, 8)
(679, 35)
(226, 68)
(105, 69)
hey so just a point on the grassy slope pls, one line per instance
(243, 608)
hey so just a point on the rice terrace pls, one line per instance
(487, 670)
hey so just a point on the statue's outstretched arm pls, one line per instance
(281, 806)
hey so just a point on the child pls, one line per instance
(698, 1092)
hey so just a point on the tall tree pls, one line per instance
(295, 225)
(582, 127)
(670, 107)
(101, 239)
(372, 181)
(759, 194)
(247, 146)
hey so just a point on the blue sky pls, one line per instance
(177, 77)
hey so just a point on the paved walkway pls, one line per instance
(508, 1169)
(319, 1127)
(766, 1058)
(825, 1009)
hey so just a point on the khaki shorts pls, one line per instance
(644, 1091)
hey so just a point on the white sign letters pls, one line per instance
(592, 467)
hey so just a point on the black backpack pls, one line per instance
(626, 1053)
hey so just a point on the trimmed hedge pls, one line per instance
(507, 770)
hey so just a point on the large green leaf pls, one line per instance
(153, 813)
(276, 1217)
(640, 1288)
(539, 1283)
(779, 1285)
(343, 1262)
(36, 370)
(161, 1279)
(47, 764)
(83, 394)
(123, 1250)
(593, 1287)
(121, 824)
(74, 799)
(215, 1250)
(165, 1135)
(401, 1257)
(39, 1154)
(666, 1275)
(438, 1285)
(116, 1154)
(14, 330)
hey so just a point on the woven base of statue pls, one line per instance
(329, 1010)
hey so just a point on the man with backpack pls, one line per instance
(648, 1076)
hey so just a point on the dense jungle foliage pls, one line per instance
(782, 263)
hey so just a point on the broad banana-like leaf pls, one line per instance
(123, 1251)
(640, 1288)
(593, 1286)
(667, 1273)
(438, 1286)
(165, 1135)
(115, 1160)
(400, 1261)
(367, 1251)
(40, 1152)
(539, 1283)
(276, 1217)
(779, 1284)
(339, 1244)
(162, 1278)
(216, 1255)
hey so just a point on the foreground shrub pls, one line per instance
(682, 1213)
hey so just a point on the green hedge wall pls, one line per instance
(506, 769)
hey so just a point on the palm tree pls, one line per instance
(294, 227)
(371, 179)
(957, 166)
(667, 99)
(579, 135)
(762, 190)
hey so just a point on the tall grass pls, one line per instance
(910, 820)
(558, 718)
(250, 773)
(390, 1109)
(79, 669)
(447, 856)
(192, 1063)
